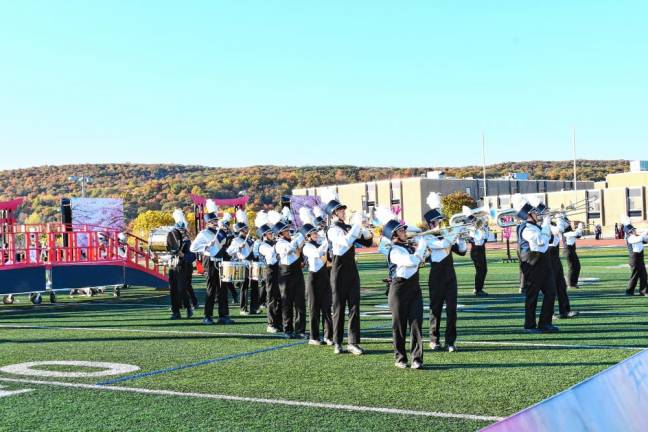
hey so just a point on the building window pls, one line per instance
(370, 191)
(635, 204)
(593, 204)
(469, 191)
(395, 192)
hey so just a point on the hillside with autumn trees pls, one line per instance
(165, 186)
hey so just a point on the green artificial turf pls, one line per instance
(497, 371)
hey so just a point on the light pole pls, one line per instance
(83, 180)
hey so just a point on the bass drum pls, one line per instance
(157, 241)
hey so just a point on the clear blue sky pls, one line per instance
(331, 82)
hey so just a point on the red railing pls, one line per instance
(56, 244)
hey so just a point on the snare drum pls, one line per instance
(232, 271)
(258, 271)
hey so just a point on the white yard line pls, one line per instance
(294, 403)
(280, 336)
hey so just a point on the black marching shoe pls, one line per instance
(225, 320)
(532, 330)
(480, 293)
(189, 312)
(629, 293)
(549, 329)
(175, 316)
(208, 321)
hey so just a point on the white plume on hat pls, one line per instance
(534, 200)
(306, 215)
(328, 195)
(227, 217)
(211, 206)
(274, 217)
(466, 211)
(261, 219)
(625, 220)
(384, 215)
(286, 214)
(241, 216)
(518, 201)
(318, 212)
(178, 216)
(434, 200)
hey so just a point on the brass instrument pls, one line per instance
(460, 230)
(507, 218)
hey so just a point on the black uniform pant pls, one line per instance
(478, 256)
(273, 297)
(559, 278)
(263, 292)
(345, 284)
(216, 292)
(232, 289)
(442, 285)
(293, 297)
(190, 299)
(406, 305)
(249, 294)
(178, 282)
(319, 301)
(538, 277)
(638, 273)
(573, 265)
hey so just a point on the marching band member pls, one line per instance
(261, 282)
(573, 263)
(478, 239)
(240, 249)
(442, 281)
(564, 308)
(322, 295)
(181, 267)
(268, 255)
(318, 285)
(224, 225)
(322, 235)
(210, 242)
(384, 246)
(533, 242)
(291, 281)
(405, 296)
(345, 279)
(635, 243)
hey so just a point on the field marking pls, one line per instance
(7, 393)
(28, 369)
(276, 336)
(285, 402)
(200, 363)
(528, 344)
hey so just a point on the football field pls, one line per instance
(187, 376)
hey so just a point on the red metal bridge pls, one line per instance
(54, 256)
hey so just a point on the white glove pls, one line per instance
(357, 218)
(546, 221)
(298, 238)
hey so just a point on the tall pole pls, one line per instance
(83, 180)
(574, 148)
(484, 164)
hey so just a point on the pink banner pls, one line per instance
(224, 202)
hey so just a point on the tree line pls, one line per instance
(164, 187)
